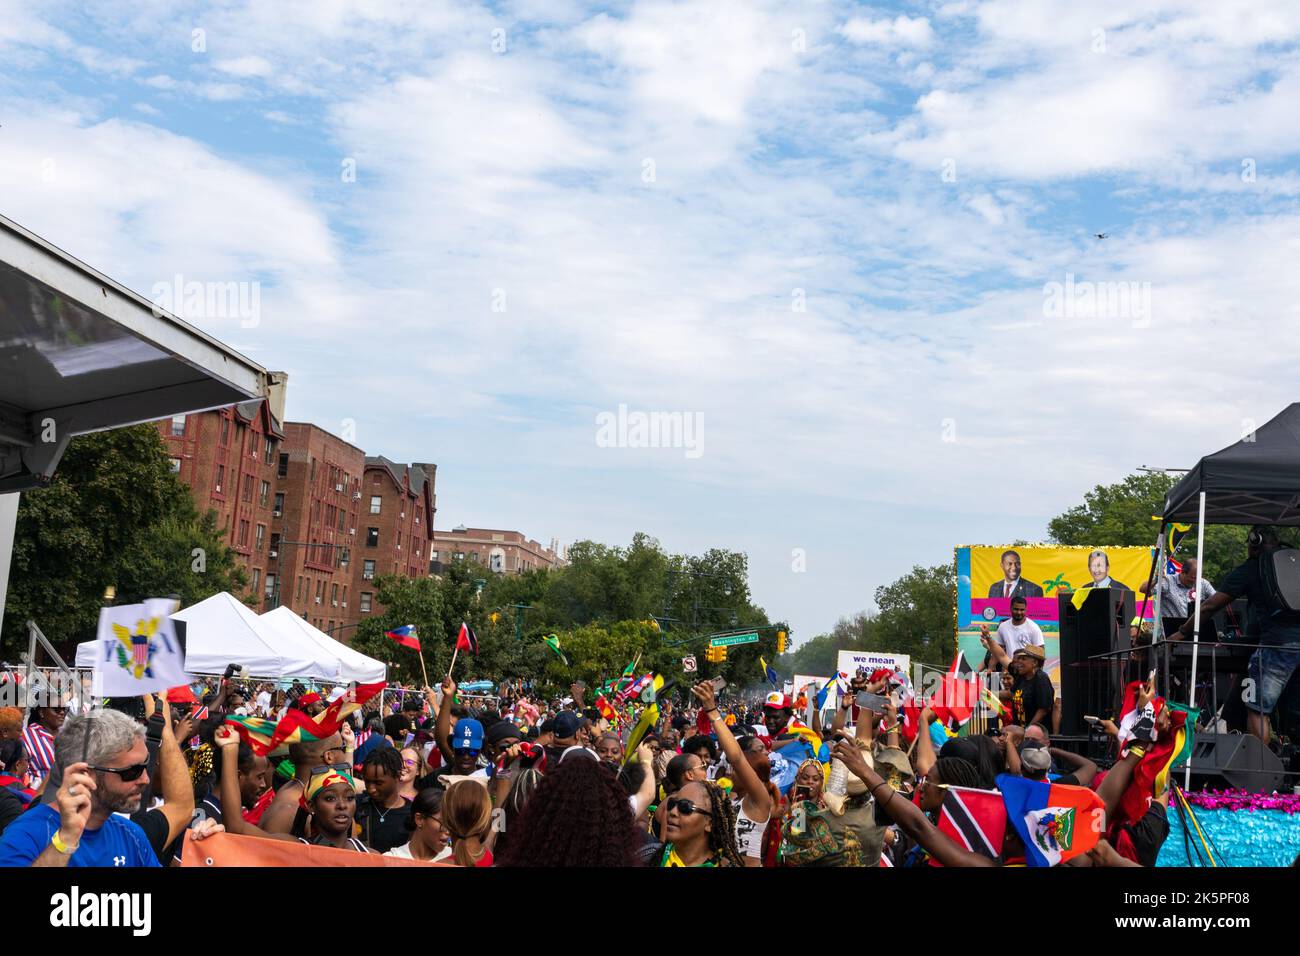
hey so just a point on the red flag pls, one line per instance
(467, 640)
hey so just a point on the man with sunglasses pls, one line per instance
(101, 778)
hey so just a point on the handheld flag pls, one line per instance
(975, 819)
(1173, 567)
(649, 717)
(266, 736)
(553, 642)
(138, 650)
(1056, 823)
(467, 640)
(768, 672)
(406, 636)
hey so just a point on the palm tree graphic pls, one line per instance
(1056, 583)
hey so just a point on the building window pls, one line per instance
(261, 536)
(243, 533)
(221, 479)
(279, 503)
(460, 555)
(365, 602)
(345, 595)
(270, 451)
(284, 465)
(320, 589)
(375, 503)
(372, 537)
(342, 515)
(265, 493)
(433, 555)
(270, 585)
(178, 426)
(248, 489)
(225, 432)
(275, 545)
(257, 578)
(368, 569)
(174, 466)
(334, 595)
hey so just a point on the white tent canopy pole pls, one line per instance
(1196, 627)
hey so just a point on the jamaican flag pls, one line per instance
(553, 642)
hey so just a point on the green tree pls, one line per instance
(1120, 514)
(113, 515)
(916, 616)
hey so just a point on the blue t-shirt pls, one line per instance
(119, 842)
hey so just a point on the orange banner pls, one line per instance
(226, 849)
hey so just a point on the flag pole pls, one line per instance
(423, 669)
(453, 659)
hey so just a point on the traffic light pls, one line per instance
(780, 642)
(494, 616)
(715, 655)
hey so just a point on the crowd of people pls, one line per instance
(430, 775)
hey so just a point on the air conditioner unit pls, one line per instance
(338, 487)
(356, 496)
(352, 530)
(276, 514)
(345, 603)
(334, 603)
(273, 554)
(318, 600)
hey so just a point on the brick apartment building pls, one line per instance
(316, 531)
(396, 526)
(504, 552)
(228, 458)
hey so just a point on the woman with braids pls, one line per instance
(579, 816)
(751, 798)
(700, 827)
(382, 810)
(467, 817)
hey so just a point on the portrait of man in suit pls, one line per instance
(1012, 584)
(1099, 569)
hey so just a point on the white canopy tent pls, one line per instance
(221, 630)
(354, 666)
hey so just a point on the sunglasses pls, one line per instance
(127, 774)
(325, 768)
(682, 805)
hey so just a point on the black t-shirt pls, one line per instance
(382, 829)
(1031, 695)
(155, 826)
(1247, 580)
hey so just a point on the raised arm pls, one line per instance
(757, 802)
(906, 814)
(925, 755)
(232, 811)
(174, 775)
(442, 729)
(994, 647)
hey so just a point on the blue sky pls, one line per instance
(823, 229)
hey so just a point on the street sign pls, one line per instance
(688, 664)
(734, 639)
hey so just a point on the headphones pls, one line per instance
(1256, 536)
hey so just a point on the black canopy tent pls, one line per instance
(1255, 481)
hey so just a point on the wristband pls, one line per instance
(57, 842)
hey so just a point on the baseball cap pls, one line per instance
(309, 698)
(181, 695)
(467, 735)
(778, 701)
(567, 724)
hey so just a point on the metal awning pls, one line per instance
(80, 353)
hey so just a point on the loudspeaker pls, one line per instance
(1098, 626)
(1239, 761)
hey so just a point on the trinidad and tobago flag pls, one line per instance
(406, 636)
(467, 640)
(974, 819)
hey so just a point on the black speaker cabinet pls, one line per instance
(1235, 761)
(1090, 684)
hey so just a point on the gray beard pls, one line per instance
(121, 803)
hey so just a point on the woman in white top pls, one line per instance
(429, 841)
(750, 796)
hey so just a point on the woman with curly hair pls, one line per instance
(701, 827)
(579, 816)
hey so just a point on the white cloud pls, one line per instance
(900, 31)
(245, 66)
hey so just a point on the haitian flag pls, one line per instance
(1055, 823)
(406, 636)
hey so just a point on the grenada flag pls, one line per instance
(1055, 823)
